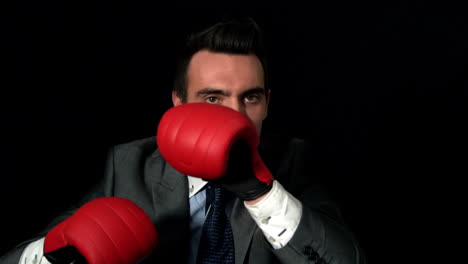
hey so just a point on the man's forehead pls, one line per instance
(207, 59)
(224, 73)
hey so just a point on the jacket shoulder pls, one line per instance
(148, 143)
(135, 149)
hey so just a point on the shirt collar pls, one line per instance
(195, 184)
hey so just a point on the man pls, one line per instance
(290, 221)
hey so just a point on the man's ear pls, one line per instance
(176, 99)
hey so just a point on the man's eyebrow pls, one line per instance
(253, 90)
(212, 91)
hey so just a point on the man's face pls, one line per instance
(235, 81)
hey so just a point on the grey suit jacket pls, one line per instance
(137, 171)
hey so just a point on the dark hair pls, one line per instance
(234, 36)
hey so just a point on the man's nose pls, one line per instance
(237, 105)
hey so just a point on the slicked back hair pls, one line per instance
(236, 36)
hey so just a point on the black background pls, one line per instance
(378, 88)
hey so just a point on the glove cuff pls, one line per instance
(65, 255)
(250, 190)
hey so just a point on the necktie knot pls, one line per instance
(215, 196)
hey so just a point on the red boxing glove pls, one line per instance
(197, 139)
(106, 230)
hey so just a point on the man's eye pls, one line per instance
(252, 98)
(212, 100)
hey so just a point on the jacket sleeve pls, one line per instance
(321, 239)
(322, 236)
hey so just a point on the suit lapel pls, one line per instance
(171, 207)
(243, 227)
